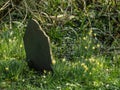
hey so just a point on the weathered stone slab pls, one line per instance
(37, 48)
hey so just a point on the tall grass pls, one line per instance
(84, 40)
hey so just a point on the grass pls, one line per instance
(86, 47)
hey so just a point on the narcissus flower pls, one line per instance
(7, 69)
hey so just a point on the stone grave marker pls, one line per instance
(37, 47)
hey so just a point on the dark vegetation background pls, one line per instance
(85, 38)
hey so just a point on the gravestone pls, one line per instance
(37, 48)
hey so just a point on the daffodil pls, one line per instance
(21, 45)
(7, 69)
(98, 45)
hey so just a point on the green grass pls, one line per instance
(87, 57)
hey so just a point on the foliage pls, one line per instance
(84, 40)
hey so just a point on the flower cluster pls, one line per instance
(84, 66)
